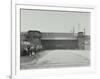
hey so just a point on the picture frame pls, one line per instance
(19, 74)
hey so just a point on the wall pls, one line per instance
(60, 44)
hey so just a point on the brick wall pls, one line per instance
(60, 44)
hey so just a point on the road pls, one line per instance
(56, 58)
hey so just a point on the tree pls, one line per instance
(34, 37)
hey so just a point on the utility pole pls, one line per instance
(78, 27)
(73, 31)
(84, 31)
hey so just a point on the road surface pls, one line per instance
(56, 58)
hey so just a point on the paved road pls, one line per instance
(58, 58)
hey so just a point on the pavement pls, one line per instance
(56, 58)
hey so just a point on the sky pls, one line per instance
(54, 21)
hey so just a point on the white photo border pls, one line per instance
(17, 73)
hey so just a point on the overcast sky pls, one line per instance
(54, 21)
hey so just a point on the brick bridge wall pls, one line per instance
(60, 44)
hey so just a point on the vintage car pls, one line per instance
(28, 49)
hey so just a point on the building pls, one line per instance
(59, 41)
(50, 40)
